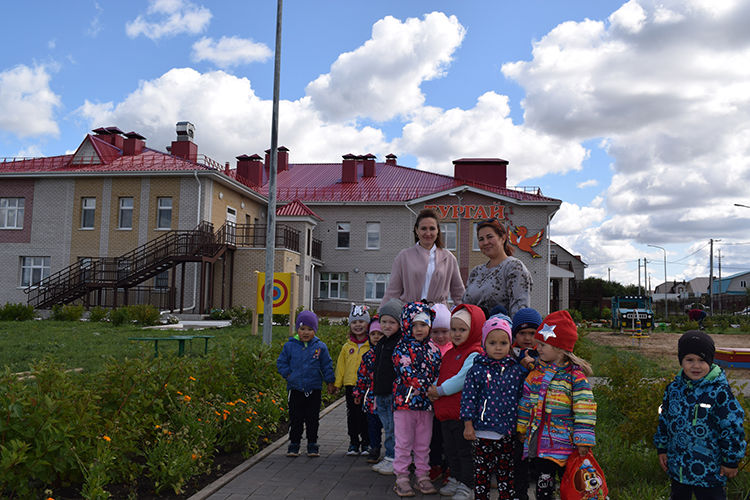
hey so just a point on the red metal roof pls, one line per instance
(321, 182)
(298, 208)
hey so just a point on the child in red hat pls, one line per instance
(557, 412)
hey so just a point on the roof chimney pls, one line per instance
(133, 144)
(282, 159)
(390, 159)
(368, 169)
(184, 147)
(250, 169)
(349, 168)
(492, 171)
(115, 137)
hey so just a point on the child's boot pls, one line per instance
(292, 450)
(313, 450)
(403, 487)
(425, 486)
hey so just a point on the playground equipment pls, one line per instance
(633, 313)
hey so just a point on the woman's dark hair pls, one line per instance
(428, 213)
(500, 230)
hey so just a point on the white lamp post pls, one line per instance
(666, 307)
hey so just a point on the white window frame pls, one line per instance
(88, 206)
(372, 281)
(328, 280)
(124, 209)
(372, 238)
(30, 266)
(161, 208)
(341, 229)
(11, 213)
(445, 232)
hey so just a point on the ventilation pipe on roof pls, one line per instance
(250, 169)
(184, 147)
(282, 159)
(368, 165)
(349, 168)
(133, 144)
(390, 159)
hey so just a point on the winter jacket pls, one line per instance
(491, 393)
(557, 412)
(305, 365)
(700, 429)
(450, 381)
(349, 360)
(417, 364)
(384, 374)
(365, 382)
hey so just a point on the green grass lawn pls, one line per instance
(87, 345)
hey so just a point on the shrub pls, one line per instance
(218, 314)
(119, 316)
(576, 315)
(67, 312)
(16, 312)
(241, 316)
(144, 314)
(97, 314)
(606, 313)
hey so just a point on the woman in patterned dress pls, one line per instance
(503, 279)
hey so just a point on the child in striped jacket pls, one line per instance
(557, 412)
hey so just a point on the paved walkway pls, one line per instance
(333, 475)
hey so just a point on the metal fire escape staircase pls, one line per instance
(174, 247)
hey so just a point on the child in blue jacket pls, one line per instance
(489, 405)
(305, 363)
(700, 439)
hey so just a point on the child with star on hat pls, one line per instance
(557, 412)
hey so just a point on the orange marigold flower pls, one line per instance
(178, 392)
(199, 420)
(273, 401)
(157, 426)
(192, 378)
(193, 456)
(225, 416)
(242, 401)
(259, 427)
(107, 438)
(227, 411)
(217, 412)
(230, 403)
(260, 393)
(187, 398)
(249, 419)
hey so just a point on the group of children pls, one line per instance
(466, 397)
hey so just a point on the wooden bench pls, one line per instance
(180, 339)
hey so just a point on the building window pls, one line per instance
(449, 235)
(88, 212)
(11, 213)
(373, 235)
(164, 213)
(161, 280)
(743, 284)
(375, 285)
(342, 229)
(334, 285)
(126, 213)
(34, 270)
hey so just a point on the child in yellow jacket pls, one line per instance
(347, 365)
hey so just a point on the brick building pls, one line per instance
(117, 222)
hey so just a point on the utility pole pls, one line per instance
(721, 305)
(711, 277)
(645, 279)
(609, 274)
(639, 276)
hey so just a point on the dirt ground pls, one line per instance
(662, 347)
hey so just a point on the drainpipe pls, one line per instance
(410, 210)
(312, 284)
(197, 221)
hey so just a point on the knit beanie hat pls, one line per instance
(375, 326)
(526, 318)
(391, 308)
(307, 318)
(558, 330)
(359, 313)
(442, 316)
(496, 323)
(498, 309)
(698, 343)
(503, 316)
(464, 316)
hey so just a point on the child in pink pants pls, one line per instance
(417, 363)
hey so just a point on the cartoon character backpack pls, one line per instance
(583, 479)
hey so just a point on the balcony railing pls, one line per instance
(254, 236)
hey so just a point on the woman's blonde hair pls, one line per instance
(584, 365)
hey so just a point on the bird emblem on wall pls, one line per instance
(518, 237)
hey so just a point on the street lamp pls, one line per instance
(741, 205)
(666, 307)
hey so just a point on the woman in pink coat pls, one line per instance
(426, 271)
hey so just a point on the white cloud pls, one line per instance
(27, 103)
(486, 130)
(229, 118)
(95, 26)
(229, 51)
(572, 219)
(169, 18)
(381, 79)
(587, 184)
(664, 86)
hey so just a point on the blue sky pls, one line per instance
(635, 114)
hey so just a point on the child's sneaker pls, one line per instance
(403, 487)
(313, 450)
(463, 492)
(425, 486)
(364, 449)
(384, 467)
(449, 488)
(292, 450)
(353, 450)
(373, 455)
